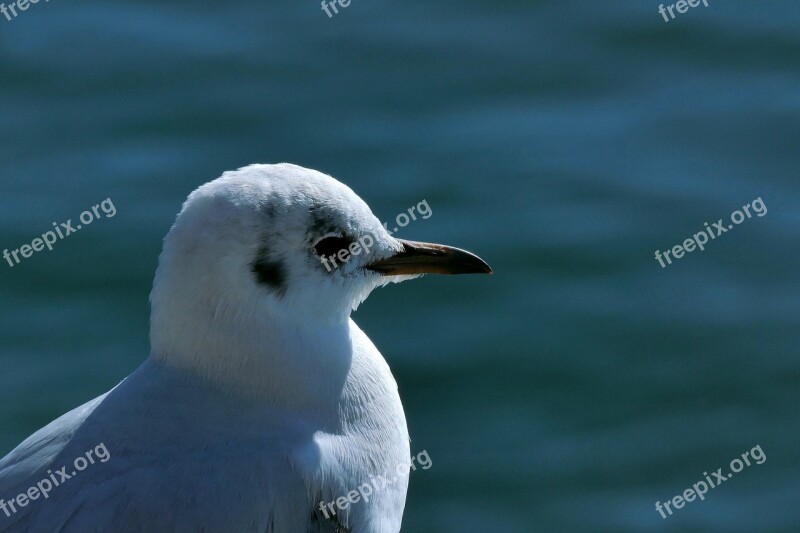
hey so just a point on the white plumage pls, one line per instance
(261, 399)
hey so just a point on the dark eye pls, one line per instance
(330, 246)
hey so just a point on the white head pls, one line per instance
(246, 250)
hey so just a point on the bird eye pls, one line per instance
(330, 246)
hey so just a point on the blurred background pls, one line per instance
(563, 141)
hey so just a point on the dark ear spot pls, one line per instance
(269, 273)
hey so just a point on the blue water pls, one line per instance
(563, 141)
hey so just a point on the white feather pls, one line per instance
(257, 403)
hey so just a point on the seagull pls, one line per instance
(261, 400)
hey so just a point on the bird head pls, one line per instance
(281, 241)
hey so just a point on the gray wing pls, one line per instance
(176, 464)
(29, 462)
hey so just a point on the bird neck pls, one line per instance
(300, 366)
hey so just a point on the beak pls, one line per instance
(426, 258)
